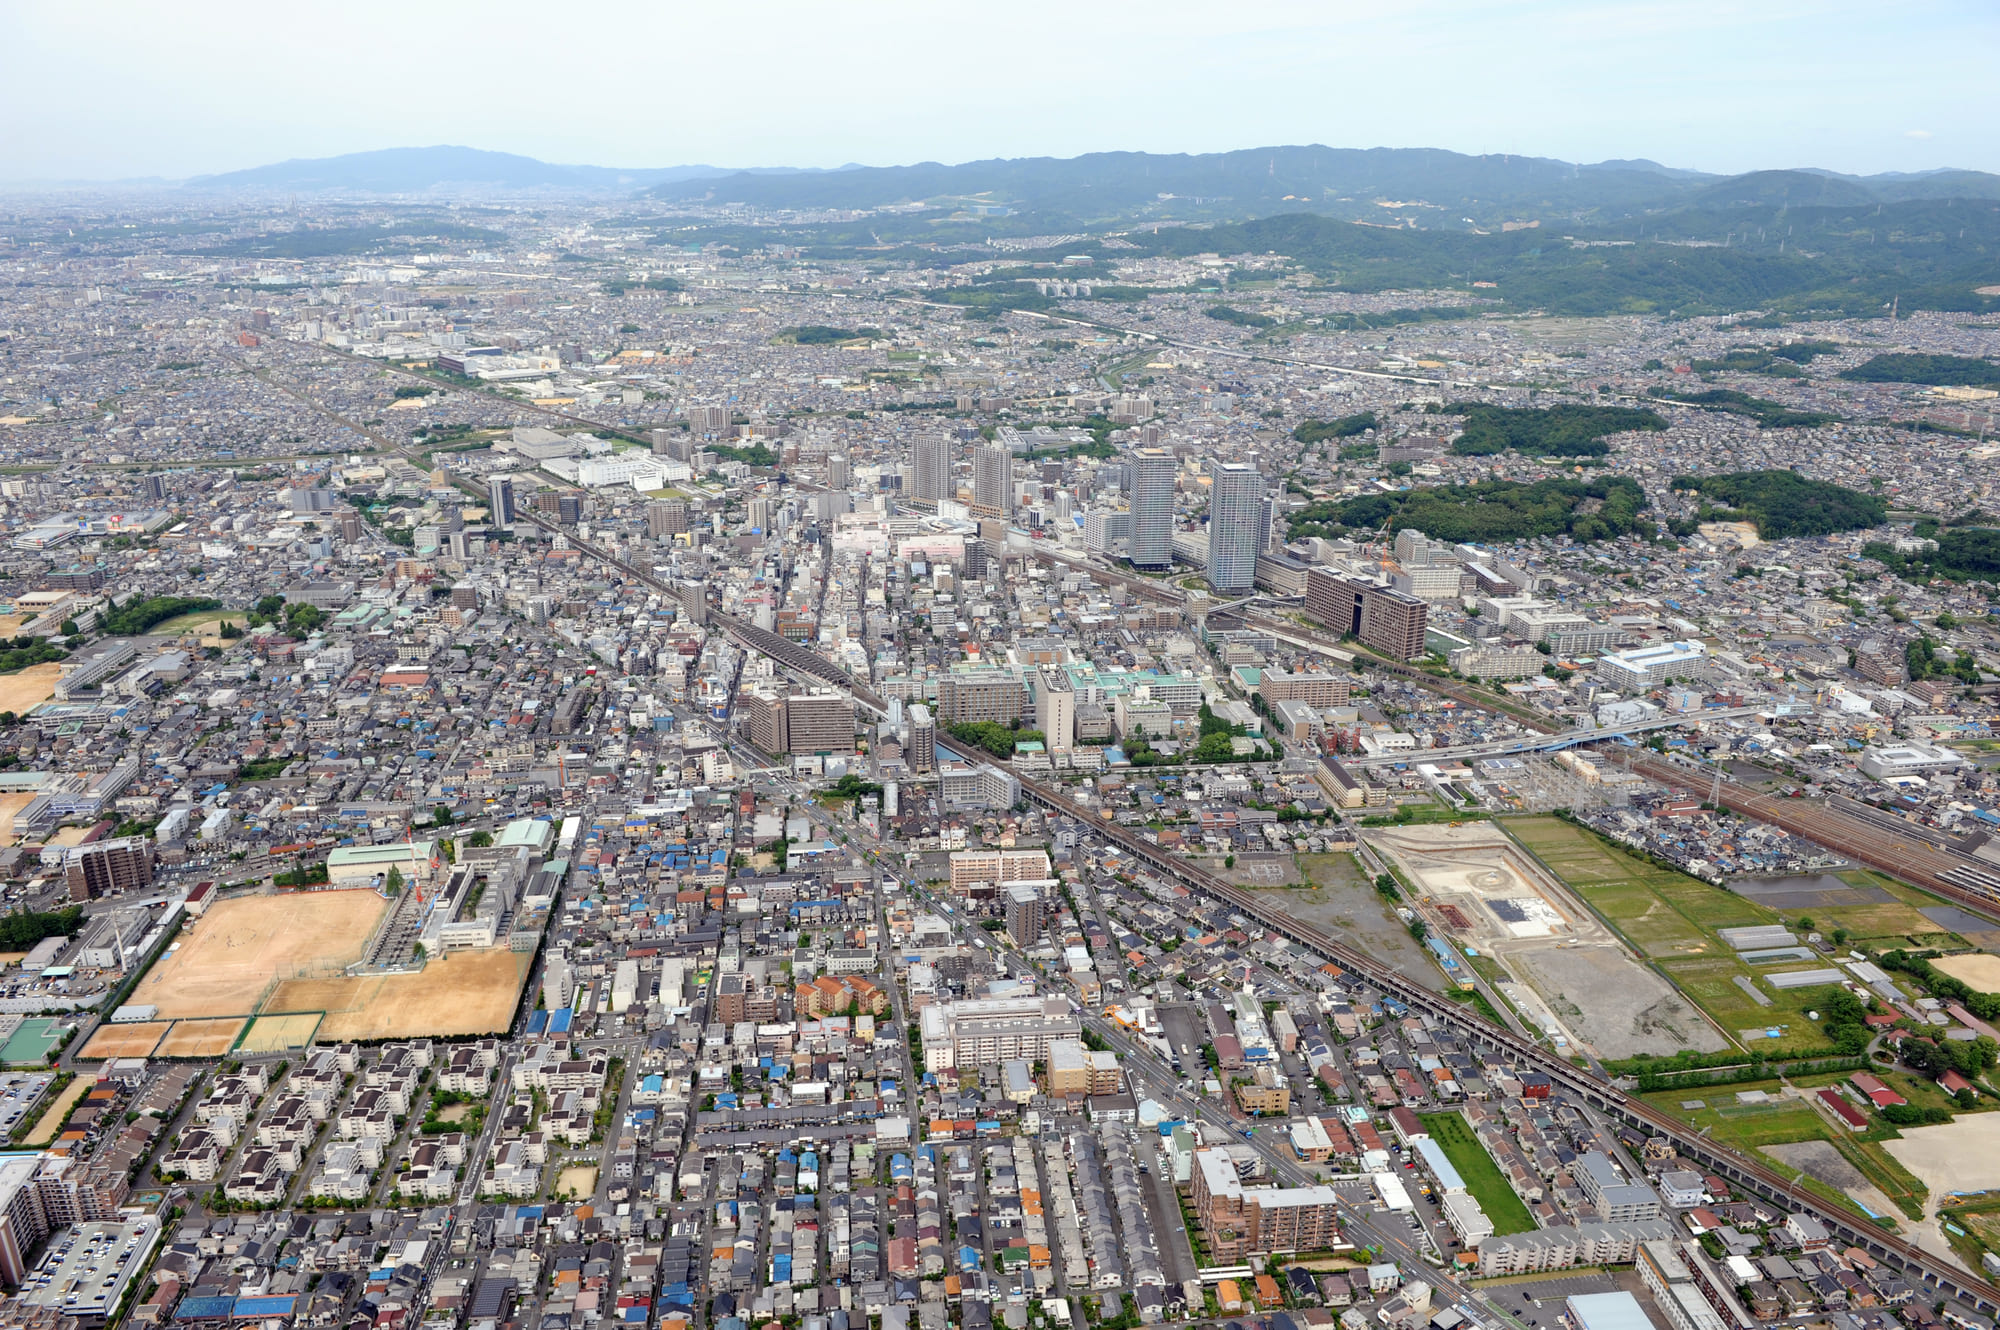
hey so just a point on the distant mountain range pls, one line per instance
(1460, 189)
(447, 169)
(1436, 187)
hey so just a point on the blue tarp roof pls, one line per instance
(196, 1309)
(279, 1306)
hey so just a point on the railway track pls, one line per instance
(1925, 1270)
(1882, 841)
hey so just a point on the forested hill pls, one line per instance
(1439, 190)
(1929, 254)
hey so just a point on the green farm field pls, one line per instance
(1783, 1120)
(1483, 1178)
(1673, 920)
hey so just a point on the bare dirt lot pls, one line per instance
(28, 688)
(1616, 1006)
(226, 961)
(1346, 905)
(579, 1181)
(1960, 1156)
(1818, 1159)
(11, 804)
(459, 993)
(133, 1040)
(52, 1116)
(200, 1039)
(1977, 969)
(1494, 896)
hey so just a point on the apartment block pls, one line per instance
(1240, 1221)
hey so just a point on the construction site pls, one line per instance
(1478, 886)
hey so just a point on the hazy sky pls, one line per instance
(113, 88)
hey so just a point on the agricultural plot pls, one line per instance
(1712, 983)
(1674, 921)
(1780, 1123)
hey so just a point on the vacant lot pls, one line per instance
(578, 1180)
(200, 1039)
(1617, 1007)
(1345, 905)
(459, 993)
(52, 1117)
(1482, 1176)
(135, 1039)
(1819, 1159)
(1979, 970)
(230, 958)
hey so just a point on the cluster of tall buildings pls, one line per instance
(41, 1193)
(1239, 510)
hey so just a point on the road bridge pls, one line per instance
(1541, 742)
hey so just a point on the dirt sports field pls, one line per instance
(459, 993)
(1963, 1155)
(11, 804)
(1979, 970)
(135, 1039)
(30, 687)
(225, 961)
(274, 1034)
(200, 1039)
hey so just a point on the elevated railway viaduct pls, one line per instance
(1932, 1276)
